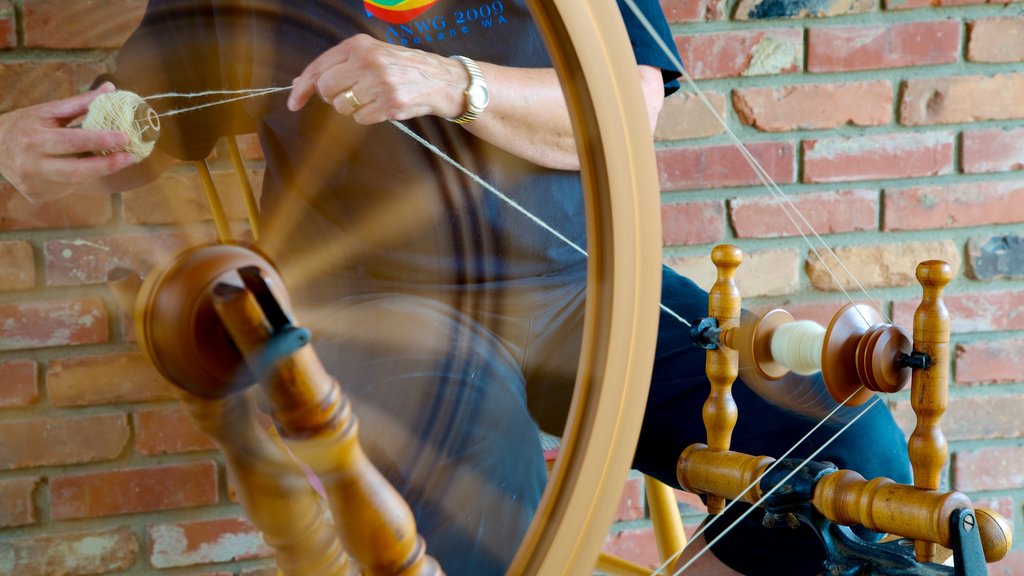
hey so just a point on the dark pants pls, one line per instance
(451, 384)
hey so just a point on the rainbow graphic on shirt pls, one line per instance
(397, 11)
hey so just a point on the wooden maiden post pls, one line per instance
(722, 364)
(929, 387)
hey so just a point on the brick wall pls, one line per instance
(896, 127)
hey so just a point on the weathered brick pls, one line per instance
(631, 504)
(16, 507)
(989, 362)
(7, 38)
(55, 24)
(993, 150)
(906, 155)
(723, 166)
(1011, 565)
(19, 385)
(954, 205)
(205, 542)
(814, 106)
(689, 503)
(70, 554)
(890, 46)
(179, 198)
(950, 100)
(634, 544)
(28, 82)
(764, 9)
(699, 222)
(264, 571)
(747, 53)
(991, 311)
(912, 4)
(107, 379)
(990, 468)
(57, 441)
(698, 11)
(879, 265)
(17, 265)
(53, 323)
(763, 273)
(167, 431)
(133, 490)
(72, 211)
(996, 40)
(71, 262)
(826, 212)
(250, 148)
(685, 116)
(995, 257)
(970, 417)
(1004, 506)
(820, 312)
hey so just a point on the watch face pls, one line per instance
(477, 96)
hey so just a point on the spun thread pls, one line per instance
(797, 346)
(128, 113)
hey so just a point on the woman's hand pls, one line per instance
(45, 159)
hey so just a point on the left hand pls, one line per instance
(388, 82)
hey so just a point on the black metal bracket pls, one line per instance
(705, 334)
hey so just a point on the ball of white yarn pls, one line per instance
(125, 112)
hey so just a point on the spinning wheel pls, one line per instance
(588, 48)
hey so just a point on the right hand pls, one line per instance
(45, 159)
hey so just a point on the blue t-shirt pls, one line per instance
(387, 209)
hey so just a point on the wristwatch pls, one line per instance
(477, 94)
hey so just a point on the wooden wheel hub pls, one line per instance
(860, 348)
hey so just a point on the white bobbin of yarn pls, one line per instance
(798, 345)
(128, 113)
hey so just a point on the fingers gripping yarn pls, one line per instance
(125, 112)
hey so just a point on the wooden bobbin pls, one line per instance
(929, 389)
(722, 364)
(860, 348)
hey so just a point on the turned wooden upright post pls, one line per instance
(722, 364)
(929, 387)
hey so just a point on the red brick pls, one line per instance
(179, 198)
(814, 106)
(993, 150)
(631, 504)
(906, 155)
(992, 362)
(690, 504)
(723, 166)
(699, 222)
(71, 554)
(820, 312)
(17, 266)
(52, 441)
(765, 9)
(992, 311)
(205, 542)
(1011, 565)
(684, 116)
(133, 490)
(72, 211)
(636, 545)
(881, 265)
(1003, 506)
(826, 212)
(54, 323)
(167, 431)
(911, 4)
(954, 206)
(20, 384)
(996, 40)
(249, 147)
(28, 82)
(958, 99)
(746, 53)
(88, 261)
(688, 11)
(763, 272)
(107, 379)
(890, 46)
(265, 571)
(16, 506)
(993, 468)
(970, 417)
(57, 24)
(7, 38)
